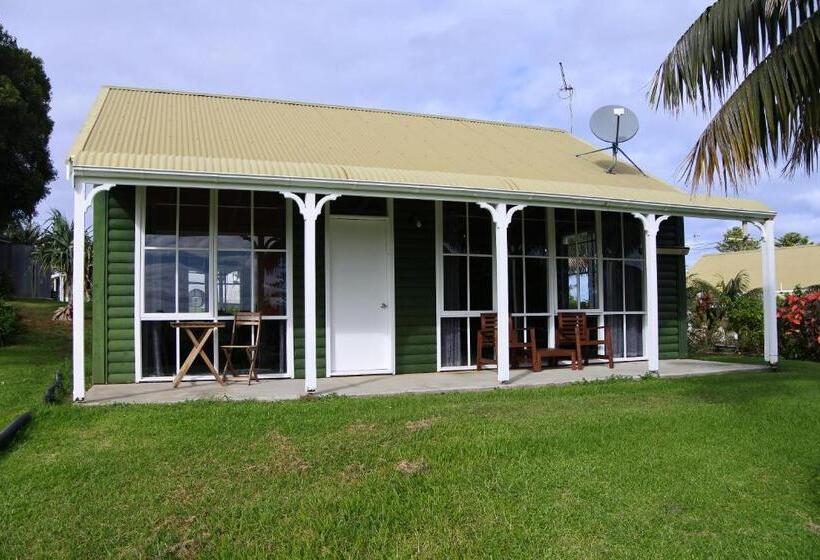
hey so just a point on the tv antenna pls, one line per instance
(565, 93)
(614, 124)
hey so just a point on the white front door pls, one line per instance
(359, 276)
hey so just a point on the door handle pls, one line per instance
(383, 306)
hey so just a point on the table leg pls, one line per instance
(204, 356)
(198, 345)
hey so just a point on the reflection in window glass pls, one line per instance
(273, 347)
(194, 217)
(611, 234)
(271, 285)
(634, 336)
(234, 220)
(453, 342)
(616, 328)
(613, 286)
(536, 273)
(193, 281)
(159, 343)
(233, 282)
(268, 221)
(480, 232)
(481, 283)
(515, 285)
(633, 280)
(160, 217)
(455, 283)
(633, 237)
(159, 281)
(588, 285)
(454, 226)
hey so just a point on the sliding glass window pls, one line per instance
(623, 290)
(208, 255)
(252, 270)
(176, 274)
(467, 279)
(528, 249)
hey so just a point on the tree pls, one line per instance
(54, 251)
(791, 239)
(717, 310)
(759, 62)
(735, 239)
(25, 127)
(23, 231)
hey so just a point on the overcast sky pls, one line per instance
(491, 60)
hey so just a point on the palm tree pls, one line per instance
(54, 251)
(710, 306)
(759, 61)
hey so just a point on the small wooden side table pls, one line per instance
(199, 332)
(556, 353)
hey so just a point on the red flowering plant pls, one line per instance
(799, 318)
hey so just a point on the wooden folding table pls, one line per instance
(204, 329)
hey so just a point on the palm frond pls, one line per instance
(719, 48)
(771, 116)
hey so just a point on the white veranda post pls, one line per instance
(310, 209)
(78, 293)
(501, 217)
(651, 224)
(767, 254)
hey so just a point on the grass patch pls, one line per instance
(721, 466)
(28, 365)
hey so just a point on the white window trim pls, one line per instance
(552, 279)
(139, 296)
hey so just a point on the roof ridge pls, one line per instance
(335, 106)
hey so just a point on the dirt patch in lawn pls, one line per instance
(284, 458)
(422, 424)
(412, 467)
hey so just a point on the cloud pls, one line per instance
(472, 58)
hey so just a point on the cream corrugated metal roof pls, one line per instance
(795, 266)
(175, 132)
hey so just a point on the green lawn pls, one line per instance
(725, 466)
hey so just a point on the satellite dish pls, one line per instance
(614, 124)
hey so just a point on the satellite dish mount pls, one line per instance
(614, 124)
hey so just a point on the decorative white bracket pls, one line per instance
(310, 210)
(89, 196)
(502, 216)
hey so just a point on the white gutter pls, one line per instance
(401, 190)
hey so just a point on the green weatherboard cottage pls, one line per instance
(370, 241)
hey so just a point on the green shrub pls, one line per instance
(745, 317)
(799, 326)
(8, 323)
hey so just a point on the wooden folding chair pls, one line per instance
(244, 319)
(572, 331)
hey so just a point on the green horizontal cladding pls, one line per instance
(113, 290)
(672, 320)
(414, 235)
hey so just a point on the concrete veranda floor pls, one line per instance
(368, 385)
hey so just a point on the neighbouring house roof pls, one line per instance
(795, 266)
(223, 137)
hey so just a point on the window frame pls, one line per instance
(468, 314)
(141, 316)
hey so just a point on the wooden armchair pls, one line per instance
(244, 319)
(572, 331)
(486, 339)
